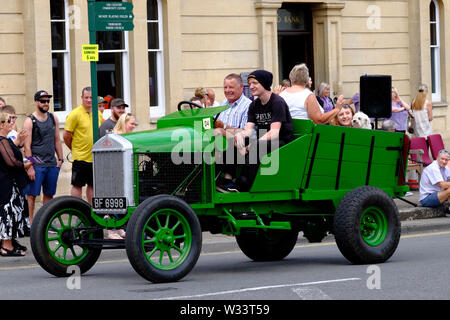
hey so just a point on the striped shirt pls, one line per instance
(236, 115)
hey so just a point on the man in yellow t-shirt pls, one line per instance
(78, 136)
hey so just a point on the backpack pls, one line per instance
(36, 131)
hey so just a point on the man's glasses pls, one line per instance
(44, 101)
(9, 120)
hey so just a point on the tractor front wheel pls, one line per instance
(56, 228)
(164, 239)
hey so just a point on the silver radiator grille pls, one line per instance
(109, 174)
(113, 168)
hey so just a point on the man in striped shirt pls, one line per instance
(235, 117)
(234, 120)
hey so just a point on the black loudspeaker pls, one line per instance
(376, 95)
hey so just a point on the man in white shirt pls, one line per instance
(234, 119)
(434, 185)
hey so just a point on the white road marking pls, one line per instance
(209, 294)
(311, 294)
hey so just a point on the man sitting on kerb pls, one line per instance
(434, 182)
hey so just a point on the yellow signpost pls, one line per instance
(90, 52)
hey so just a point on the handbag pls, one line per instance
(410, 122)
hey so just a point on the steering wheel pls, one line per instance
(192, 105)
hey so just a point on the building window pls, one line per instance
(113, 64)
(59, 17)
(435, 51)
(155, 58)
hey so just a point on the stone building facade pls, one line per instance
(179, 45)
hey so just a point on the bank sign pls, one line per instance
(291, 20)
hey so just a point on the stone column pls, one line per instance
(172, 54)
(80, 71)
(37, 50)
(266, 13)
(328, 45)
(139, 91)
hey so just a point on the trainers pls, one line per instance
(408, 194)
(447, 212)
(227, 188)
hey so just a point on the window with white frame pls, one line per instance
(113, 66)
(155, 58)
(59, 20)
(435, 51)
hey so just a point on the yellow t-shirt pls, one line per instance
(79, 122)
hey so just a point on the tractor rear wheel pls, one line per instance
(366, 226)
(267, 245)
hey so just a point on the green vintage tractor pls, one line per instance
(161, 184)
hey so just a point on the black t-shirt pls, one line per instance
(276, 110)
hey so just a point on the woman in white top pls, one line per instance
(422, 112)
(302, 102)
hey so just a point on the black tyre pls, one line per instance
(164, 239)
(55, 226)
(271, 245)
(366, 226)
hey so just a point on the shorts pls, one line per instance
(82, 173)
(431, 200)
(46, 178)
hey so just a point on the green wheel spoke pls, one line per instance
(61, 221)
(52, 227)
(153, 240)
(57, 248)
(73, 252)
(78, 224)
(167, 221)
(64, 252)
(149, 255)
(150, 229)
(170, 256)
(175, 226)
(177, 248)
(161, 256)
(158, 222)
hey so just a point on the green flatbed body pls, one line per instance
(307, 177)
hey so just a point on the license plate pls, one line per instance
(109, 203)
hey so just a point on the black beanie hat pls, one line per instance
(263, 77)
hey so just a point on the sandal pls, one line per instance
(18, 246)
(113, 235)
(11, 253)
(121, 233)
